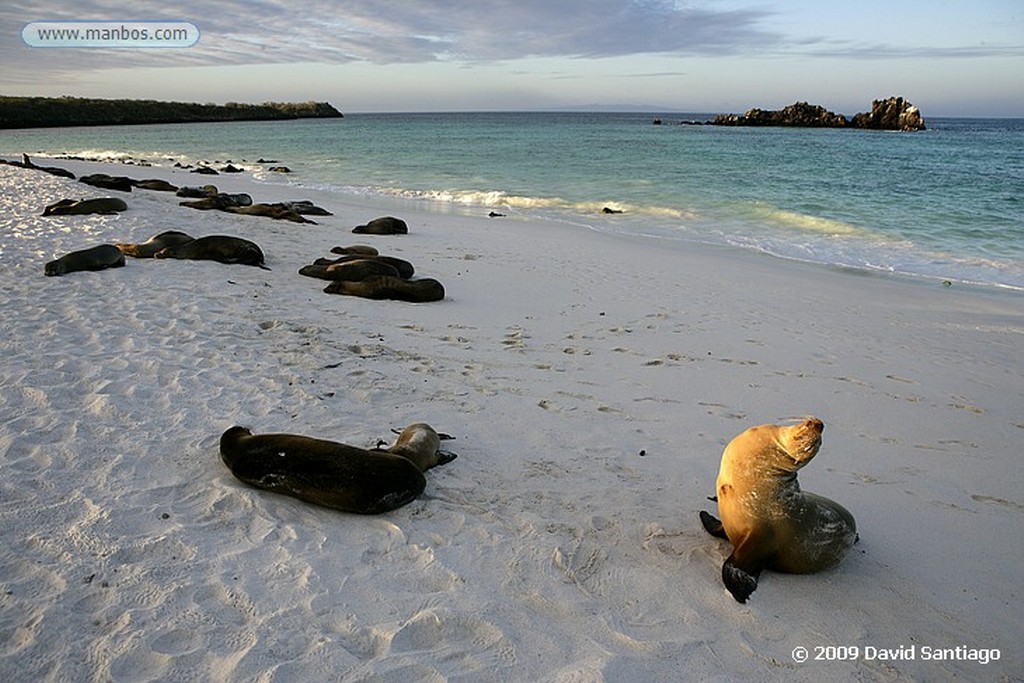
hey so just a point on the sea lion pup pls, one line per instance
(220, 201)
(156, 185)
(95, 258)
(148, 249)
(359, 269)
(197, 192)
(389, 287)
(335, 475)
(108, 182)
(356, 250)
(77, 207)
(404, 268)
(221, 248)
(276, 211)
(385, 225)
(770, 522)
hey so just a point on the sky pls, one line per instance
(949, 57)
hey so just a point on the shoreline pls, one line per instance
(551, 548)
(257, 172)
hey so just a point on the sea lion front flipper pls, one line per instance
(740, 582)
(712, 525)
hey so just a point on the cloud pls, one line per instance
(387, 32)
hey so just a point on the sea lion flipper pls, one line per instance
(445, 457)
(712, 525)
(445, 437)
(740, 582)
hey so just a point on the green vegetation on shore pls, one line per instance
(48, 112)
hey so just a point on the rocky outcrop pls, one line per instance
(801, 115)
(894, 113)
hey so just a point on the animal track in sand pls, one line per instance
(719, 410)
(998, 501)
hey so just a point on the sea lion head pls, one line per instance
(800, 442)
(422, 445)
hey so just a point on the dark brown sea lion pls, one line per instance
(221, 201)
(108, 182)
(147, 249)
(356, 250)
(156, 185)
(96, 258)
(276, 211)
(388, 287)
(305, 207)
(358, 269)
(386, 225)
(198, 192)
(335, 475)
(78, 207)
(26, 162)
(404, 268)
(221, 248)
(770, 522)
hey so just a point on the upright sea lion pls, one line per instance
(770, 522)
(389, 287)
(147, 249)
(385, 225)
(359, 269)
(77, 207)
(332, 474)
(221, 248)
(95, 258)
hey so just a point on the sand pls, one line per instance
(591, 382)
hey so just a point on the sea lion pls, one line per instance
(386, 225)
(404, 268)
(95, 258)
(305, 207)
(78, 207)
(221, 248)
(770, 522)
(389, 287)
(276, 211)
(198, 192)
(221, 201)
(156, 185)
(26, 162)
(108, 182)
(335, 475)
(358, 269)
(356, 250)
(147, 249)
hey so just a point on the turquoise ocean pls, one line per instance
(945, 204)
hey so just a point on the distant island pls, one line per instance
(49, 112)
(894, 113)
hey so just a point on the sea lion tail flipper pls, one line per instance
(446, 437)
(712, 525)
(740, 582)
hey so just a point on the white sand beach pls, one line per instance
(591, 382)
